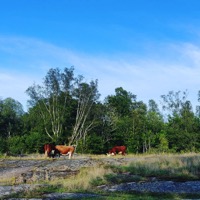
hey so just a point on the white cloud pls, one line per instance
(14, 86)
(27, 60)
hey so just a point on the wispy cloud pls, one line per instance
(171, 67)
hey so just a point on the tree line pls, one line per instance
(65, 109)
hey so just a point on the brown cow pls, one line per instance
(65, 150)
(50, 150)
(117, 149)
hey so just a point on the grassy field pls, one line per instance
(164, 167)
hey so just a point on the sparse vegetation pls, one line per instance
(180, 167)
(165, 166)
(85, 180)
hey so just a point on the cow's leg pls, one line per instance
(46, 154)
(70, 155)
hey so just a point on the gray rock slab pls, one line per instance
(190, 187)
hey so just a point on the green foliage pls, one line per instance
(35, 142)
(4, 145)
(163, 144)
(66, 110)
(52, 98)
(97, 181)
(16, 145)
(11, 113)
(31, 143)
(122, 101)
(94, 144)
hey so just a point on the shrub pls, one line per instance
(16, 145)
(35, 142)
(3, 146)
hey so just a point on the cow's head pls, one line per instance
(110, 154)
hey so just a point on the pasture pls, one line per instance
(118, 170)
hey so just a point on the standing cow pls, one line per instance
(52, 150)
(117, 149)
(66, 150)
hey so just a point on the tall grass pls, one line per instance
(179, 167)
(165, 166)
(84, 180)
(186, 166)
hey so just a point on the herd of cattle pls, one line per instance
(52, 150)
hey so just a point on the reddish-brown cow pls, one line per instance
(65, 150)
(117, 149)
(50, 150)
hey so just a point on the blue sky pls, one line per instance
(148, 47)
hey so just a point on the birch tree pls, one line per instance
(86, 95)
(173, 102)
(59, 90)
(52, 98)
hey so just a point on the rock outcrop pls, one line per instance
(28, 171)
(22, 173)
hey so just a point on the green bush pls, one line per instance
(35, 142)
(97, 181)
(92, 145)
(3, 146)
(30, 143)
(16, 145)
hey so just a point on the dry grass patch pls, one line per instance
(84, 179)
(7, 181)
(36, 156)
(182, 166)
(165, 166)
